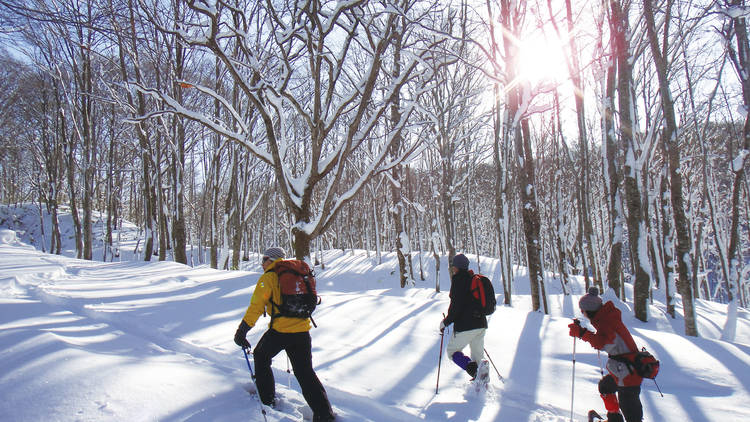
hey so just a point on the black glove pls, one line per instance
(239, 336)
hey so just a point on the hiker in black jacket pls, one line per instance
(469, 323)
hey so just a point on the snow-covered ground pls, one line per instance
(136, 341)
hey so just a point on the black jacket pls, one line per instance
(463, 312)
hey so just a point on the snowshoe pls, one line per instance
(483, 372)
(593, 416)
(480, 383)
(611, 417)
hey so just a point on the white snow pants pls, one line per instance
(472, 338)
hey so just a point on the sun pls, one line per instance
(541, 60)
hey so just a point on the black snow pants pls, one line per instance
(298, 347)
(630, 403)
(628, 397)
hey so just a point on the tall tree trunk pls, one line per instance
(530, 214)
(301, 240)
(396, 184)
(561, 221)
(741, 61)
(614, 267)
(667, 242)
(85, 104)
(70, 147)
(631, 170)
(139, 104)
(215, 178)
(502, 223)
(670, 141)
(584, 181)
(178, 155)
(231, 208)
(110, 195)
(161, 202)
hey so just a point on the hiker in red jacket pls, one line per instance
(614, 338)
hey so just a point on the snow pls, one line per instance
(742, 110)
(735, 12)
(132, 340)
(739, 161)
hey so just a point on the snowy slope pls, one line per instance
(135, 341)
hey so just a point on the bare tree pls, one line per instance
(501, 157)
(518, 98)
(318, 79)
(740, 58)
(670, 141)
(585, 226)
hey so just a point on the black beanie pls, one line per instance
(460, 261)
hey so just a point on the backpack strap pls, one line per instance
(274, 306)
(477, 286)
(309, 291)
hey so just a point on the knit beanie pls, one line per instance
(274, 253)
(460, 261)
(590, 301)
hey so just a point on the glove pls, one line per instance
(239, 335)
(442, 326)
(576, 330)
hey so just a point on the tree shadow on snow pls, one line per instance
(523, 378)
(674, 379)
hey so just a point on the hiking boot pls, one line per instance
(471, 368)
(323, 418)
(273, 403)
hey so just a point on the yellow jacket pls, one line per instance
(266, 290)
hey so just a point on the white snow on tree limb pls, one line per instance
(739, 161)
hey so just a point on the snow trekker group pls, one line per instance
(286, 291)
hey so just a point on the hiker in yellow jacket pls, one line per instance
(284, 333)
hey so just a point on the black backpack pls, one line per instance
(298, 295)
(483, 294)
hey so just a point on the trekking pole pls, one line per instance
(288, 372)
(440, 359)
(573, 381)
(657, 387)
(493, 365)
(252, 376)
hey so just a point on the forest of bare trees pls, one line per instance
(407, 126)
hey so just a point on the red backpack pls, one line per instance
(645, 364)
(298, 295)
(642, 363)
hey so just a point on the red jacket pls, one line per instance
(614, 338)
